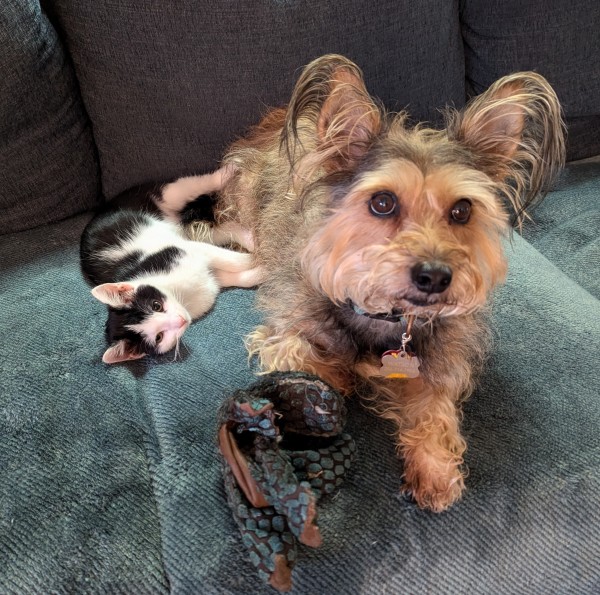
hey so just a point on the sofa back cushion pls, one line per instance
(558, 39)
(48, 164)
(168, 85)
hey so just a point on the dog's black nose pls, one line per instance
(431, 277)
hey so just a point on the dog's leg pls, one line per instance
(287, 351)
(429, 440)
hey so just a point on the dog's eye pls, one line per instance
(383, 204)
(158, 338)
(157, 306)
(461, 211)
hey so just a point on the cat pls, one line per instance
(154, 280)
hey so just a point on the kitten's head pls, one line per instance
(141, 321)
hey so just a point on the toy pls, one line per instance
(283, 449)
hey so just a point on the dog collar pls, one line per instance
(387, 316)
(396, 363)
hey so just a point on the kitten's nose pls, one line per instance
(431, 277)
(182, 321)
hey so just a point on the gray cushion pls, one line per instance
(48, 164)
(110, 478)
(169, 84)
(571, 216)
(557, 39)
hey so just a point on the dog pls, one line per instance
(383, 241)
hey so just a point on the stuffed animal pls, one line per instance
(283, 449)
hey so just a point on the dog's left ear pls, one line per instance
(517, 136)
(331, 95)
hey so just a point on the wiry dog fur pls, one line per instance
(307, 180)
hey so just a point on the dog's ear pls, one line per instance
(331, 96)
(349, 119)
(517, 135)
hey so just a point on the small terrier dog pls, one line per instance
(383, 242)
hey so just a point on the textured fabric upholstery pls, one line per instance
(572, 213)
(169, 84)
(48, 165)
(110, 479)
(557, 39)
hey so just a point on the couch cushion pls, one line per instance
(78, 510)
(566, 226)
(110, 476)
(169, 85)
(48, 162)
(557, 39)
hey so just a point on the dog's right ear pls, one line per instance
(332, 96)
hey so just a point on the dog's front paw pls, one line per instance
(434, 490)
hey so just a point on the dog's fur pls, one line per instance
(304, 181)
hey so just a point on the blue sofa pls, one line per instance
(110, 479)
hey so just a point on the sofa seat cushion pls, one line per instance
(111, 481)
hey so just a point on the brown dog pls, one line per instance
(383, 242)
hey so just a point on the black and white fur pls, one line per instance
(153, 279)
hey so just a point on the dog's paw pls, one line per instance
(435, 492)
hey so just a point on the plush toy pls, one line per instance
(283, 448)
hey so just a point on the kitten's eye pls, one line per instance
(383, 204)
(157, 306)
(461, 211)
(158, 338)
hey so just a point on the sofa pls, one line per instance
(110, 478)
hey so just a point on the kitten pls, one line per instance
(153, 279)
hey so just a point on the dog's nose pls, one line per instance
(431, 277)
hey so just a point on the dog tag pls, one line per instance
(398, 363)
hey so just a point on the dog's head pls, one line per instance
(416, 216)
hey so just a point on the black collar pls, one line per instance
(394, 316)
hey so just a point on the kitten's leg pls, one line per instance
(176, 195)
(222, 259)
(249, 278)
(232, 232)
(234, 269)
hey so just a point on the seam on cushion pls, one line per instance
(153, 458)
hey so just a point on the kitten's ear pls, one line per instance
(114, 294)
(121, 351)
(517, 135)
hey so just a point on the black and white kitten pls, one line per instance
(153, 279)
